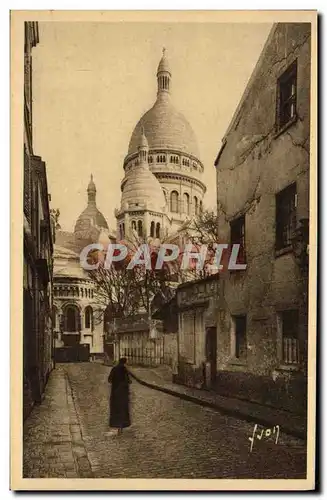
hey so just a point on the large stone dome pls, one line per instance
(140, 187)
(165, 128)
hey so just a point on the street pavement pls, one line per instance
(169, 437)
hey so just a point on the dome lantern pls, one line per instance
(91, 192)
(163, 75)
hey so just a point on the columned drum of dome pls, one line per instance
(173, 153)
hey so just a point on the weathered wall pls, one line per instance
(254, 165)
(170, 349)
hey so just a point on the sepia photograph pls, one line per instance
(163, 183)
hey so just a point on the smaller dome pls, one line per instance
(91, 217)
(163, 64)
(141, 188)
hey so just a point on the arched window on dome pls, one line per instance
(150, 159)
(186, 203)
(123, 229)
(139, 228)
(201, 207)
(133, 225)
(89, 317)
(196, 205)
(174, 201)
(158, 230)
(152, 229)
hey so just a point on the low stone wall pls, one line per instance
(288, 391)
(190, 375)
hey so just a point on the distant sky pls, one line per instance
(93, 81)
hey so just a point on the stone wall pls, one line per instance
(256, 162)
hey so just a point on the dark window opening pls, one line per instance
(237, 233)
(152, 229)
(290, 331)
(139, 228)
(174, 201)
(285, 216)
(286, 96)
(71, 319)
(88, 317)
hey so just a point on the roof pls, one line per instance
(165, 128)
(89, 218)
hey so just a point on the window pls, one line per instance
(239, 342)
(139, 228)
(174, 201)
(237, 237)
(186, 203)
(152, 229)
(285, 216)
(150, 159)
(133, 225)
(286, 96)
(158, 230)
(88, 317)
(71, 319)
(290, 327)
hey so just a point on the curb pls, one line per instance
(226, 411)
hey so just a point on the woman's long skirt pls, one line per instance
(119, 407)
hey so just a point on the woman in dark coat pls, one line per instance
(119, 396)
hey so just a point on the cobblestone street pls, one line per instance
(169, 437)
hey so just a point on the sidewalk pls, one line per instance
(160, 379)
(53, 444)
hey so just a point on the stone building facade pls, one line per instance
(263, 205)
(38, 249)
(197, 332)
(78, 314)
